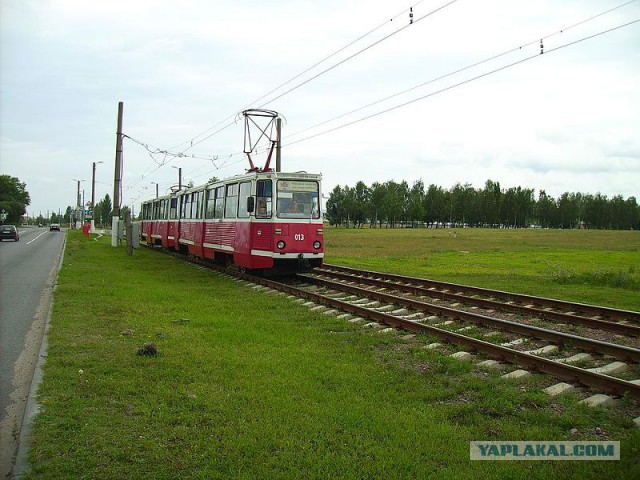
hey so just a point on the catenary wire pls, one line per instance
(359, 52)
(460, 70)
(464, 82)
(193, 143)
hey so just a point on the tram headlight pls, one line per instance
(317, 245)
(281, 244)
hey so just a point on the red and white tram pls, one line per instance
(262, 220)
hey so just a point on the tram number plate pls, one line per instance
(298, 236)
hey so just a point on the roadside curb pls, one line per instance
(21, 466)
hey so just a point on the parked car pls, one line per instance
(54, 226)
(10, 232)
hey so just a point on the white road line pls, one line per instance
(31, 241)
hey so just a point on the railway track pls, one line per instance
(625, 322)
(401, 303)
(401, 300)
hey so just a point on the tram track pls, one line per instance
(622, 322)
(618, 351)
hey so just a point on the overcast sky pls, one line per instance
(566, 120)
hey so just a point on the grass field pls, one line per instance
(249, 384)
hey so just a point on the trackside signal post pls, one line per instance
(117, 182)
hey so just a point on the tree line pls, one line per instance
(101, 214)
(14, 199)
(391, 204)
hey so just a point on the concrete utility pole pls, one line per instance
(78, 197)
(278, 143)
(93, 197)
(78, 216)
(179, 176)
(117, 183)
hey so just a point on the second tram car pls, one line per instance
(263, 221)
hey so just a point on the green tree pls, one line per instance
(416, 210)
(490, 202)
(631, 214)
(360, 208)
(14, 198)
(376, 202)
(67, 215)
(102, 211)
(395, 201)
(336, 210)
(436, 205)
(547, 210)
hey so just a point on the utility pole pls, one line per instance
(129, 231)
(93, 197)
(179, 177)
(278, 143)
(77, 215)
(117, 183)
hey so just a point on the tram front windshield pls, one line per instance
(298, 199)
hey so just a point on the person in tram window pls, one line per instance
(262, 207)
(293, 206)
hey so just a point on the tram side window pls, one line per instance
(211, 203)
(231, 201)
(156, 210)
(186, 206)
(195, 212)
(264, 203)
(219, 208)
(203, 204)
(187, 209)
(174, 208)
(244, 194)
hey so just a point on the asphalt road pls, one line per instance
(28, 271)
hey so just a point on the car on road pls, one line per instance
(54, 226)
(9, 232)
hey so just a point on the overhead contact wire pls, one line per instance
(359, 52)
(450, 87)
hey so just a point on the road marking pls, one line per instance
(31, 241)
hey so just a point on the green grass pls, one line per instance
(248, 384)
(588, 266)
